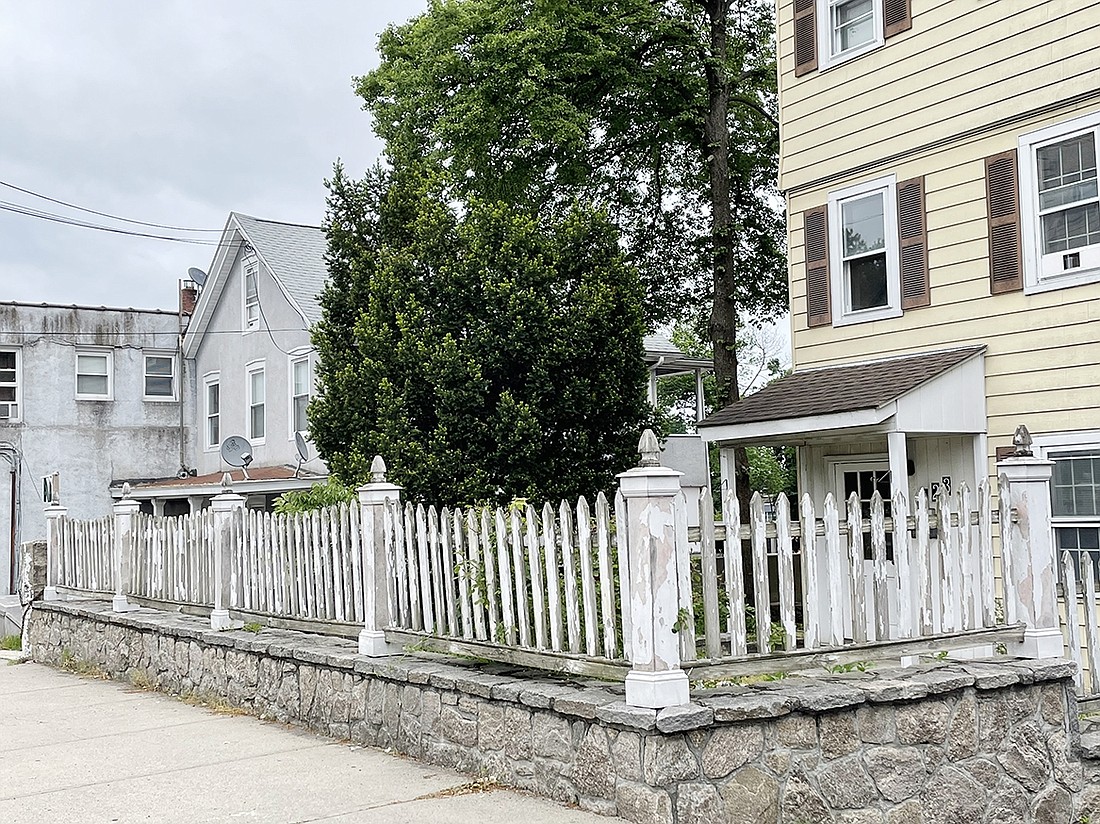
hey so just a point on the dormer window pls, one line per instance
(251, 295)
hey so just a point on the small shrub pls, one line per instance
(318, 496)
(252, 626)
(11, 643)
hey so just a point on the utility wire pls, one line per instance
(29, 212)
(103, 214)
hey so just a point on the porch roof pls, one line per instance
(859, 395)
(261, 479)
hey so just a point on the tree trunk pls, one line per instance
(723, 312)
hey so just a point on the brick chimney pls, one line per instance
(189, 295)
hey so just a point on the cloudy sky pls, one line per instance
(173, 113)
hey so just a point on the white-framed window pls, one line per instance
(251, 317)
(257, 391)
(93, 374)
(1060, 204)
(863, 252)
(160, 376)
(1074, 494)
(11, 385)
(212, 411)
(848, 28)
(301, 386)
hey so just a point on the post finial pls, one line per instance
(377, 470)
(649, 449)
(227, 482)
(1022, 441)
(126, 491)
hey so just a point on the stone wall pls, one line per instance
(945, 742)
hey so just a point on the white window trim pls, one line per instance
(18, 416)
(826, 59)
(251, 369)
(249, 324)
(160, 353)
(208, 380)
(1030, 225)
(842, 316)
(297, 356)
(94, 351)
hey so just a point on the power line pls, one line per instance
(103, 214)
(41, 215)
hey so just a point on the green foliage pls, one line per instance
(488, 353)
(661, 114)
(316, 497)
(853, 666)
(11, 642)
(252, 626)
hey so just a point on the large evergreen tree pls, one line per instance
(487, 352)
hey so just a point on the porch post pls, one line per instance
(654, 555)
(124, 510)
(373, 499)
(727, 472)
(1027, 546)
(55, 512)
(899, 463)
(224, 506)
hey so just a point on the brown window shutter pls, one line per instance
(816, 238)
(805, 37)
(897, 16)
(1003, 202)
(913, 243)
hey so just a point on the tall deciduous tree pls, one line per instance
(659, 111)
(486, 352)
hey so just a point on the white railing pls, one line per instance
(304, 566)
(172, 558)
(84, 554)
(1081, 619)
(511, 575)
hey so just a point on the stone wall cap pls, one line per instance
(751, 705)
(621, 714)
(684, 718)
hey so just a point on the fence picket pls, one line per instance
(518, 571)
(436, 559)
(448, 556)
(621, 538)
(553, 583)
(760, 584)
(685, 617)
(786, 571)
(857, 580)
(425, 583)
(534, 565)
(879, 570)
(1092, 623)
(735, 577)
(908, 617)
(475, 571)
(811, 595)
(708, 552)
(985, 555)
(508, 615)
(390, 518)
(948, 578)
(588, 580)
(462, 565)
(834, 570)
(923, 562)
(489, 566)
(569, 576)
(336, 553)
(607, 581)
(1073, 620)
(968, 560)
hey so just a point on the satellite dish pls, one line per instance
(197, 275)
(237, 451)
(303, 451)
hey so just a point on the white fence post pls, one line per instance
(54, 513)
(654, 559)
(373, 499)
(124, 510)
(1028, 546)
(224, 506)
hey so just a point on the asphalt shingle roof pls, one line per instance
(835, 389)
(295, 254)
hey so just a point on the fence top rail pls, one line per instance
(795, 527)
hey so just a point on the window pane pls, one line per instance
(91, 384)
(853, 24)
(7, 376)
(867, 282)
(257, 421)
(212, 398)
(213, 430)
(864, 225)
(301, 377)
(91, 364)
(7, 393)
(1074, 488)
(256, 381)
(300, 422)
(1071, 228)
(7, 361)
(158, 387)
(250, 286)
(156, 365)
(1070, 161)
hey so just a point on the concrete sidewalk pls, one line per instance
(80, 750)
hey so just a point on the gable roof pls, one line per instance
(836, 389)
(293, 253)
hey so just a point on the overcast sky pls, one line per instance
(174, 113)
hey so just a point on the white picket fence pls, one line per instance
(304, 566)
(940, 578)
(512, 575)
(1081, 619)
(84, 554)
(172, 558)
